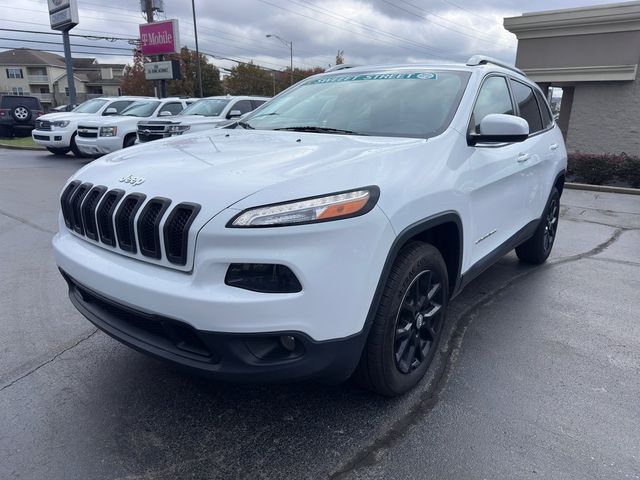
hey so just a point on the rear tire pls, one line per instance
(536, 250)
(58, 151)
(408, 324)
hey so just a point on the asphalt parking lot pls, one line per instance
(539, 376)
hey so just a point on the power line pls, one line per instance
(57, 43)
(468, 10)
(75, 52)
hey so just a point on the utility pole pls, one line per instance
(288, 44)
(195, 31)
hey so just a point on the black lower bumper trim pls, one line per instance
(227, 356)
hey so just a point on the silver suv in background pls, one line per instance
(204, 114)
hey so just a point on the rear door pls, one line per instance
(495, 180)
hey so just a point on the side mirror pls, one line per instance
(234, 113)
(500, 128)
(166, 113)
(110, 111)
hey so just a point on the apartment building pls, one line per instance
(25, 71)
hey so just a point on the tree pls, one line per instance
(249, 79)
(133, 81)
(340, 57)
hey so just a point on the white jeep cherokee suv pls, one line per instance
(57, 131)
(325, 233)
(106, 135)
(202, 115)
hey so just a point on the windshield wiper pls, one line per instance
(309, 128)
(244, 125)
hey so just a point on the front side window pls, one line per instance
(141, 109)
(209, 107)
(174, 108)
(14, 73)
(243, 105)
(527, 105)
(396, 103)
(120, 105)
(493, 97)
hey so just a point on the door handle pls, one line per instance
(553, 146)
(523, 157)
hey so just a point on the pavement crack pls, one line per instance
(371, 454)
(47, 362)
(26, 222)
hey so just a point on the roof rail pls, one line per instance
(340, 66)
(483, 60)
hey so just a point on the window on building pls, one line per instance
(14, 73)
(17, 90)
(494, 97)
(527, 104)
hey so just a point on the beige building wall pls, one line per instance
(605, 118)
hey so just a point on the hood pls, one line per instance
(63, 116)
(218, 168)
(111, 120)
(184, 120)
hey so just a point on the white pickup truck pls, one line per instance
(203, 115)
(105, 135)
(57, 131)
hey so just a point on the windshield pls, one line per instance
(141, 109)
(90, 106)
(209, 108)
(399, 104)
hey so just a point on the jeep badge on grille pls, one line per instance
(132, 179)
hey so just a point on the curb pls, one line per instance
(15, 147)
(602, 188)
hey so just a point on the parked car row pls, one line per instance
(106, 124)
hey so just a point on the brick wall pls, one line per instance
(605, 118)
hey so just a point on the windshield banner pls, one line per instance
(377, 76)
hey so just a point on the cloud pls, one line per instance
(375, 31)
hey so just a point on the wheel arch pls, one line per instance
(559, 182)
(437, 231)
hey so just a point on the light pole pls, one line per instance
(195, 31)
(290, 45)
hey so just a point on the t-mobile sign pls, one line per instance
(159, 38)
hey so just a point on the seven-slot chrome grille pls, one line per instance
(111, 217)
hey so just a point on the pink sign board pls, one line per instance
(159, 38)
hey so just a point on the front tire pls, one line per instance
(408, 324)
(58, 151)
(74, 147)
(536, 250)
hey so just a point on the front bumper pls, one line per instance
(99, 145)
(231, 357)
(52, 138)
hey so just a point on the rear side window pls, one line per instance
(494, 97)
(547, 118)
(31, 103)
(527, 105)
(257, 103)
(120, 105)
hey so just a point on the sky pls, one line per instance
(368, 31)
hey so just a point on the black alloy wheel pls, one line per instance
(536, 250)
(418, 322)
(551, 223)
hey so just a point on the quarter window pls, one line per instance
(547, 118)
(14, 73)
(494, 97)
(527, 105)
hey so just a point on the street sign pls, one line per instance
(159, 38)
(63, 14)
(168, 70)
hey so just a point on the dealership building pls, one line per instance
(592, 53)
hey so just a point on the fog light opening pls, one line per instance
(288, 342)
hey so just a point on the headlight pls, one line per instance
(178, 128)
(309, 210)
(108, 131)
(60, 123)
